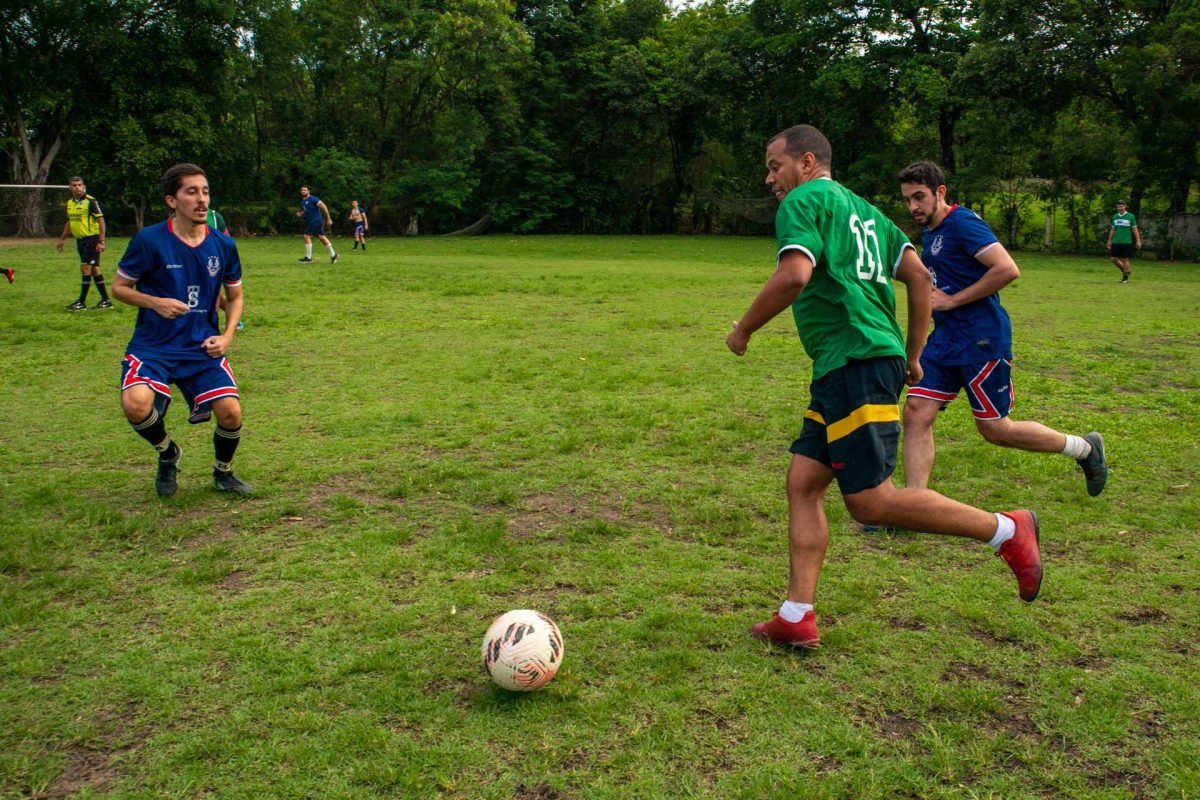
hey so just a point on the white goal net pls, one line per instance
(32, 211)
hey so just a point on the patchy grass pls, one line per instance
(443, 429)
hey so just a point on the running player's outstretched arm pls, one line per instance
(918, 287)
(791, 275)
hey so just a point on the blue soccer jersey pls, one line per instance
(979, 331)
(312, 213)
(163, 265)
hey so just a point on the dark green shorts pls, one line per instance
(852, 424)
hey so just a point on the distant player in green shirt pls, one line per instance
(1121, 236)
(837, 256)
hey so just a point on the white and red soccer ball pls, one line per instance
(522, 650)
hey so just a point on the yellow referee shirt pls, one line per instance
(84, 215)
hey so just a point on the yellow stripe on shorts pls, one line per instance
(814, 416)
(863, 415)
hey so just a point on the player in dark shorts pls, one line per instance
(173, 272)
(1121, 237)
(316, 222)
(837, 257)
(85, 221)
(970, 348)
(358, 218)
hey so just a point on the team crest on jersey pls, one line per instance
(936, 247)
(214, 265)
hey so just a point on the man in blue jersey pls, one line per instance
(174, 272)
(316, 222)
(971, 344)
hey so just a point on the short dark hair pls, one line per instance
(74, 178)
(926, 173)
(172, 179)
(801, 139)
(1122, 203)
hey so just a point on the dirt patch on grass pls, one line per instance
(540, 791)
(222, 531)
(906, 624)
(896, 727)
(538, 514)
(235, 582)
(1142, 616)
(463, 689)
(971, 672)
(86, 769)
(991, 637)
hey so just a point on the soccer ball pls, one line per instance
(522, 651)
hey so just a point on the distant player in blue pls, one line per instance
(971, 344)
(174, 272)
(316, 222)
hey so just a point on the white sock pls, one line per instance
(1005, 528)
(308, 250)
(794, 612)
(329, 247)
(1077, 447)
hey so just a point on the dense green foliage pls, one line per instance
(445, 429)
(599, 115)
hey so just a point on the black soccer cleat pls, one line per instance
(228, 482)
(305, 260)
(166, 483)
(1095, 465)
(333, 258)
(78, 305)
(103, 304)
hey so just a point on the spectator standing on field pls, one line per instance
(837, 256)
(85, 221)
(971, 344)
(1121, 237)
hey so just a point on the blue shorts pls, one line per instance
(359, 229)
(201, 380)
(852, 425)
(988, 384)
(314, 229)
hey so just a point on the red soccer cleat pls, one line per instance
(8, 273)
(796, 634)
(1022, 554)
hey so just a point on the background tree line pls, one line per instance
(600, 115)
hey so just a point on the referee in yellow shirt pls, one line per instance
(85, 221)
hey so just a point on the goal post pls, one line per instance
(32, 210)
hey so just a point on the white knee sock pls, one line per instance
(308, 250)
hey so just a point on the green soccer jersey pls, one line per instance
(848, 309)
(1123, 225)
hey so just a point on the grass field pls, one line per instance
(440, 430)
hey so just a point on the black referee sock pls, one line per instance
(99, 281)
(83, 287)
(225, 444)
(154, 430)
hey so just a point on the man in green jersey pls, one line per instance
(85, 221)
(837, 256)
(1121, 236)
